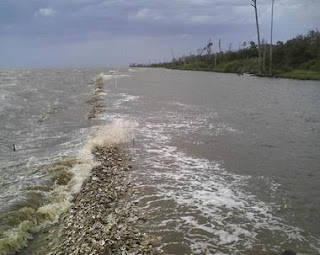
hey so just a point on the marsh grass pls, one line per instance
(301, 75)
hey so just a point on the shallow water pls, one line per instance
(224, 164)
(43, 115)
(43, 125)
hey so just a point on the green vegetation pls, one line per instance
(301, 75)
(298, 58)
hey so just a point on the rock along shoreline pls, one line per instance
(104, 217)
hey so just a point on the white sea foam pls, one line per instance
(113, 71)
(107, 77)
(191, 119)
(124, 98)
(102, 93)
(235, 216)
(116, 133)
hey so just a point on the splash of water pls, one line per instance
(22, 223)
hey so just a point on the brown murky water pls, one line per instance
(224, 164)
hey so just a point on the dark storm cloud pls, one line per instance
(57, 24)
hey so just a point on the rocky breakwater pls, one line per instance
(104, 217)
(95, 101)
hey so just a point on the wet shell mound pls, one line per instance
(96, 100)
(104, 218)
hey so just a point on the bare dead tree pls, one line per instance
(173, 56)
(271, 37)
(219, 50)
(264, 43)
(200, 51)
(230, 45)
(215, 60)
(209, 47)
(254, 5)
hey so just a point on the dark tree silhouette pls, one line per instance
(271, 38)
(254, 5)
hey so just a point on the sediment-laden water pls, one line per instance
(224, 164)
(44, 128)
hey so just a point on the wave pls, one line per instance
(198, 200)
(45, 203)
(68, 176)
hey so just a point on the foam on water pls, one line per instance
(57, 198)
(209, 208)
(220, 215)
(235, 216)
(124, 98)
(61, 196)
(112, 76)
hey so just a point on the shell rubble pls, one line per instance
(104, 216)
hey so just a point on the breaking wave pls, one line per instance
(45, 203)
(68, 177)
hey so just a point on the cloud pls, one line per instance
(200, 19)
(149, 14)
(169, 17)
(83, 21)
(45, 12)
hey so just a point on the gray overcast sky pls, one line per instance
(72, 33)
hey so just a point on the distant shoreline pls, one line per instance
(297, 74)
(298, 58)
(294, 74)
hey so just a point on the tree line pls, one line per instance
(296, 58)
(301, 52)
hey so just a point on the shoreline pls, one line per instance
(300, 75)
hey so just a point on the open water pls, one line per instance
(225, 164)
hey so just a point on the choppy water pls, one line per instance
(225, 164)
(43, 115)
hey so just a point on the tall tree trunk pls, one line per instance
(264, 57)
(271, 37)
(215, 60)
(220, 51)
(254, 5)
